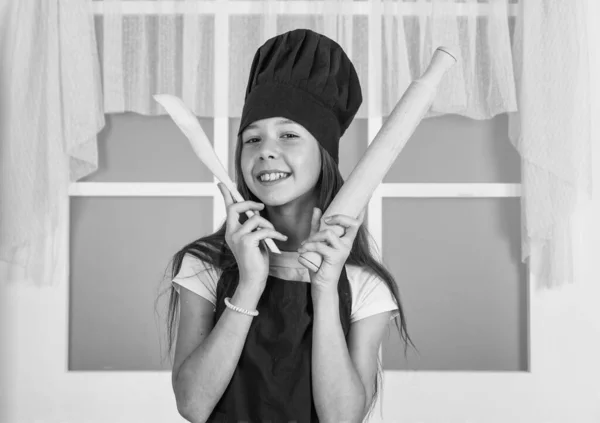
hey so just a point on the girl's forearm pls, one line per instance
(206, 373)
(338, 392)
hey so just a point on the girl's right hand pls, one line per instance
(244, 241)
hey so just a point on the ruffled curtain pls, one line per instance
(552, 132)
(173, 52)
(170, 48)
(50, 113)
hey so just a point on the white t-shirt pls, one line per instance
(370, 294)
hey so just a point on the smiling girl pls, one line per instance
(260, 337)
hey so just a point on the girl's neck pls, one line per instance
(291, 221)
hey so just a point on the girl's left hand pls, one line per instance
(334, 249)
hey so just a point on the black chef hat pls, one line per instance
(308, 78)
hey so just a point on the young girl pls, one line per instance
(260, 337)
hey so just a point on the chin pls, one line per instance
(275, 200)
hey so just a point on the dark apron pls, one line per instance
(272, 381)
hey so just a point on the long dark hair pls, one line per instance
(213, 250)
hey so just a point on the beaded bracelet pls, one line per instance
(239, 309)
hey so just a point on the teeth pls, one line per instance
(272, 176)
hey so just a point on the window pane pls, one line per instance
(462, 284)
(455, 149)
(120, 252)
(137, 148)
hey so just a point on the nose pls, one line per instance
(268, 148)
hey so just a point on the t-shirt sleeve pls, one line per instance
(197, 276)
(371, 296)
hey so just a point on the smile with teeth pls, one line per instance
(267, 177)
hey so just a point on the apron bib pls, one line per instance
(272, 381)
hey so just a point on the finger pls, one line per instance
(230, 222)
(318, 247)
(350, 224)
(255, 237)
(254, 222)
(326, 235)
(361, 216)
(225, 193)
(244, 206)
(315, 221)
(342, 220)
(234, 210)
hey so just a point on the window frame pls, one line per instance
(462, 382)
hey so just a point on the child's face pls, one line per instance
(279, 143)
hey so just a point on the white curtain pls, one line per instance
(50, 113)
(552, 131)
(170, 48)
(174, 52)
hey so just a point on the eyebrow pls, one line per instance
(279, 122)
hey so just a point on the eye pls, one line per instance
(250, 140)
